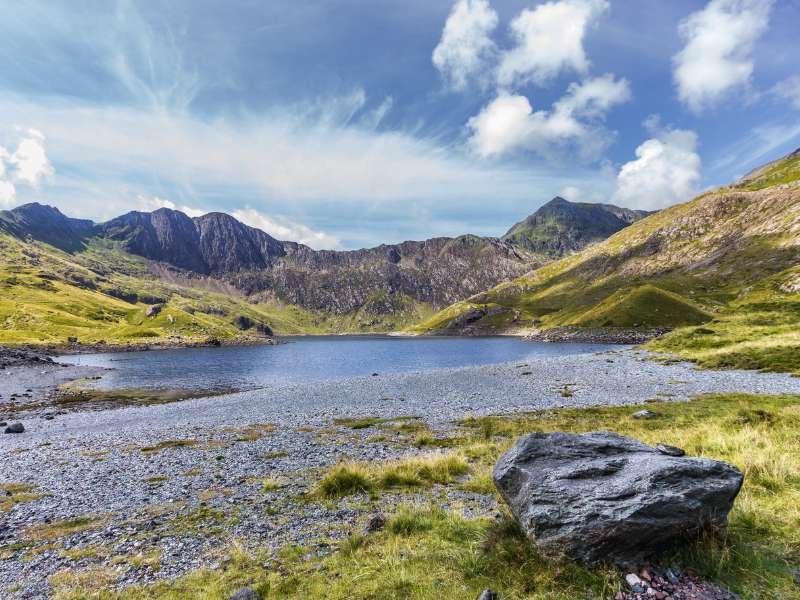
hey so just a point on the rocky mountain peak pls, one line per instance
(46, 224)
(561, 227)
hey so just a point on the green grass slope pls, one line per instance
(643, 306)
(102, 294)
(728, 256)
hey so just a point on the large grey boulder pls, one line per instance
(602, 497)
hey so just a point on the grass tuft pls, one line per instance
(353, 478)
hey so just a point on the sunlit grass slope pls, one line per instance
(48, 296)
(729, 256)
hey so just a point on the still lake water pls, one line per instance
(311, 359)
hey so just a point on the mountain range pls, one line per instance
(133, 256)
(722, 271)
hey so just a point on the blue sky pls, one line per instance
(345, 124)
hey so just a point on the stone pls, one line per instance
(15, 428)
(488, 595)
(632, 579)
(375, 523)
(602, 497)
(644, 414)
(153, 310)
(670, 450)
(245, 594)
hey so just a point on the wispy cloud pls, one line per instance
(466, 48)
(285, 229)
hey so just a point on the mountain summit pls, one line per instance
(562, 227)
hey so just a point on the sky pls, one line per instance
(347, 123)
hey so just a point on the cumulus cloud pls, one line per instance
(549, 40)
(717, 57)
(509, 124)
(27, 165)
(465, 47)
(789, 89)
(285, 229)
(666, 170)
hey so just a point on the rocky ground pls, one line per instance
(29, 381)
(151, 492)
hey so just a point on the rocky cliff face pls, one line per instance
(213, 244)
(383, 279)
(561, 227)
(377, 281)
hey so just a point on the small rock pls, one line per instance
(670, 450)
(375, 523)
(245, 594)
(488, 595)
(671, 576)
(632, 579)
(644, 414)
(15, 428)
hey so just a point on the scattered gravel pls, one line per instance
(185, 501)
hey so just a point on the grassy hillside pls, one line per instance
(48, 296)
(727, 258)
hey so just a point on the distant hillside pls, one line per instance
(227, 280)
(561, 227)
(69, 278)
(729, 258)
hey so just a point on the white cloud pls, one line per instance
(666, 171)
(27, 165)
(465, 47)
(508, 124)
(549, 39)
(8, 194)
(151, 203)
(30, 160)
(789, 89)
(717, 57)
(278, 227)
(284, 229)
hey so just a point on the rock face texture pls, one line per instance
(387, 279)
(375, 281)
(602, 497)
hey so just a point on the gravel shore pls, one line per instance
(141, 475)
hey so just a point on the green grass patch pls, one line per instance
(367, 422)
(12, 494)
(421, 471)
(165, 444)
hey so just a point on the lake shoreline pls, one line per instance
(147, 471)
